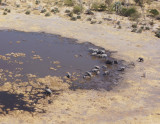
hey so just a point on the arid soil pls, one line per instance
(134, 100)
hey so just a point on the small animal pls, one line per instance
(140, 59)
(68, 75)
(121, 69)
(109, 62)
(97, 67)
(104, 67)
(48, 91)
(106, 73)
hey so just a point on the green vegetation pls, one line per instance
(130, 12)
(77, 9)
(158, 33)
(154, 12)
(37, 2)
(67, 11)
(27, 12)
(98, 7)
(55, 10)
(117, 7)
(0, 1)
(70, 14)
(4, 13)
(43, 10)
(78, 17)
(47, 14)
(73, 18)
(134, 25)
(68, 2)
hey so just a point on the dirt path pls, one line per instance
(135, 100)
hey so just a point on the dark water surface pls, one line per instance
(72, 57)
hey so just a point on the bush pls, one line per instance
(117, 7)
(68, 2)
(8, 10)
(93, 22)
(67, 11)
(147, 28)
(154, 12)
(4, 13)
(70, 14)
(78, 17)
(139, 30)
(134, 25)
(77, 9)
(37, 2)
(43, 10)
(27, 12)
(130, 12)
(47, 14)
(73, 18)
(158, 33)
(134, 30)
(0, 1)
(88, 19)
(55, 10)
(98, 7)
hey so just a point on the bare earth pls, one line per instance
(135, 100)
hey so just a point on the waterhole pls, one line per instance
(24, 55)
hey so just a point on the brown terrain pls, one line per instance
(136, 98)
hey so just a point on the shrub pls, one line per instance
(117, 7)
(98, 7)
(147, 28)
(47, 14)
(70, 14)
(27, 12)
(119, 27)
(37, 2)
(73, 18)
(43, 10)
(0, 1)
(102, 7)
(55, 10)
(77, 9)
(8, 10)
(134, 25)
(95, 6)
(78, 17)
(135, 16)
(93, 21)
(134, 30)
(154, 12)
(68, 2)
(67, 11)
(130, 12)
(158, 33)
(139, 30)
(4, 13)
(89, 19)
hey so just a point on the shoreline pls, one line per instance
(131, 101)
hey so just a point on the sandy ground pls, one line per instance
(135, 100)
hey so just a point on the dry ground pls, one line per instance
(135, 100)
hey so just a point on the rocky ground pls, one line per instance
(134, 100)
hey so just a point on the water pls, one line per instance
(53, 55)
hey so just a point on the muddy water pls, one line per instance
(45, 54)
